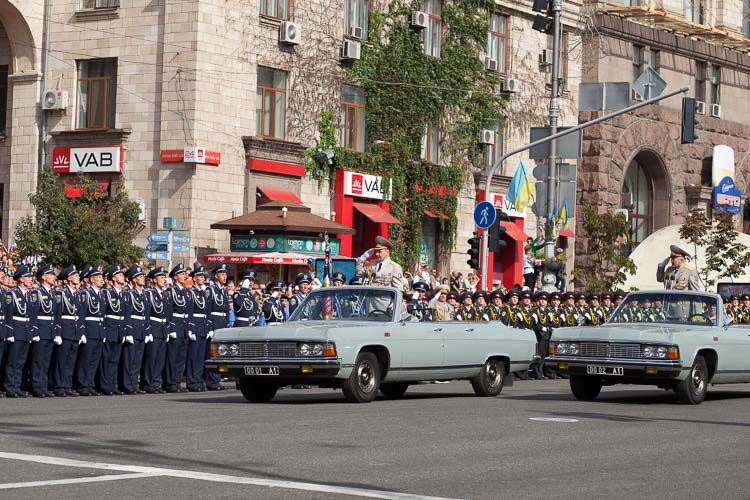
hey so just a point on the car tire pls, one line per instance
(489, 382)
(393, 390)
(364, 381)
(257, 391)
(693, 389)
(585, 388)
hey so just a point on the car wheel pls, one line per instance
(585, 388)
(257, 391)
(490, 380)
(393, 389)
(693, 389)
(364, 381)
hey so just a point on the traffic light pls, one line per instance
(474, 252)
(495, 242)
(689, 122)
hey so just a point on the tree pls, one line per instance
(607, 242)
(725, 256)
(92, 228)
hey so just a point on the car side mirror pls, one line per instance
(727, 321)
(405, 316)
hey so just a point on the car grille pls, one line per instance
(268, 349)
(609, 350)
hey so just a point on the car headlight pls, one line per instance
(222, 350)
(567, 348)
(649, 352)
(317, 349)
(311, 349)
(234, 350)
(573, 349)
(661, 352)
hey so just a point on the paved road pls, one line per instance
(439, 440)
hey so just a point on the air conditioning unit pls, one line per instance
(55, 99)
(487, 137)
(700, 107)
(356, 32)
(492, 64)
(419, 20)
(545, 58)
(351, 50)
(716, 110)
(635, 95)
(290, 33)
(511, 85)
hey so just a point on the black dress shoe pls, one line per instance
(217, 388)
(117, 392)
(71, 393)
(182, 389)
(138, 391)
(85, 392)
(60, 394)
(11, 394)
(2, 395)
(50, 394)
(171, 389)
(108, 393)
(129, 392)
(194, 389)
(95, 393)
(39, 394)
(152, 391)
(23, 394)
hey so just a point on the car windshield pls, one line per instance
(347, 303)
(666, 307)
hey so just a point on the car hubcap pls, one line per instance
(697, 379)
(493, 374)
(365, 377)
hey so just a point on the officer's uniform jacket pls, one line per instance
(182, 308)
(678, 277)
(589, 315)
(466, 313)
(115, 309)
(568, 316)
(494, 312)
(602, 313)
(93, 307)
(159, 313)
(201, 298)
(441, 311)
(541, 323)
(218, 305)
(385, 273)
(509, 315)
(525, 319)
(272, 310)
(138, 317)
(20, 322)
(553, 315)
(246, 309)
(46, 308)
(419, 310)
(70, 320)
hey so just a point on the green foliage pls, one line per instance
(607, 241)
(404, 88)
(93, 228)
(725, 257)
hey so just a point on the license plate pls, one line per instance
(605, 370)
(261, 370)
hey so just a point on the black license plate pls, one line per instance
(261, 370)
(617, 371)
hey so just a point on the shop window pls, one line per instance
(715, 85)
(498, 41)
(432, 36)
(278, 9)
(430, 142)
(637, 196)
(3, 97)
(428, 246)
(97, 94)
(700, 80)
(270, 104)
(352, 118)
(99, 4)
(493, 152)
(355, 16)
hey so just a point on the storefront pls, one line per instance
(507, 267)
(102, 164)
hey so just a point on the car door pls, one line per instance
(733, 351)
(421, 346)
(466, 347)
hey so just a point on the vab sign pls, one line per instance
(67, 160)
(365, 186)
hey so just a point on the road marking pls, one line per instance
(75, 480)
(220, 478)
(553, 419)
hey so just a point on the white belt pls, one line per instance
(179, 315)
(133, 316)
(72, 318)
(94, 318)
(159, 320)
(199, 315)
(22, 319)
(112, 316)
(242, 319)
(218, 313)
(45, 318)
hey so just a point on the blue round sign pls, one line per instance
(727, 198)
(484, 214)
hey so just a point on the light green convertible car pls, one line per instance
(676, 340)
(357, 338)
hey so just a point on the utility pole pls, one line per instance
(554, 113)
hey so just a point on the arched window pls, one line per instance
(637, 198)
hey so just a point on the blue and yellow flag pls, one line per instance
(564, 214)
(553, 221)
(519, 191)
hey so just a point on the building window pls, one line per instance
(637, 194)
(700, 81)
(564, 56)
(746, 18)
(430, 142)
(99, 4)
(715, 85)
(652, 59)
(270, 104)
(694, 11)
(353, 118)
(3, 97)
(355, 16)
(493, 152)
(432, 35)
(637, 60)
(275, 8)
(97, 93)
(498, 41)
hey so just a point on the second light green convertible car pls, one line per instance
(358, 339)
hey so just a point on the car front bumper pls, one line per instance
(634, 371)
(288, 369)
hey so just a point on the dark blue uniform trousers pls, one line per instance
(41, 355)
(65, 361)
(196, 362)
(154, 356)
(132, 356)
(18, 352)
(89, 358)
(109, 365)
(176, 354)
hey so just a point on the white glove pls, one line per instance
(104, 340)
(415, 296)
(173, 335)
(147, 339)
(367, 254)
(57, 340)
(210, 335)
(246, 283)
(83, 340)
(192, 336)
(129, 339)
(35, 338)
(275, 294)
(10, 339)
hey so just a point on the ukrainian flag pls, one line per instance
(564, 214)
(552, 220)
(519, 191)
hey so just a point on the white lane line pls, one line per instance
(221, 478)
(553, 419)
(75, 480)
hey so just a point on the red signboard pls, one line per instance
(87, 160)
(253, 259)
(178, 156)
(275, 167)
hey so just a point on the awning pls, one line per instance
(514, 231)
(434, 215)
(73, 189)
(567, 233)
(375, 213)
(277, 258)
(279, 194)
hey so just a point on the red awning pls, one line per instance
(279, 194)
(375, 213)
(567, 233)
(434, 215)
(73, 189)
(514, 231)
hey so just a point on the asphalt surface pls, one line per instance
(534, 441)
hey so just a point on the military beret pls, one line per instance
(302, 278)
(67, 272)
(179, 268)
(381, 243)
(420, 286)
(220, 269)
(134, 271)
(156, 272)
(22, 271)
(197, 271)
(44, 269)
(247, 274)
